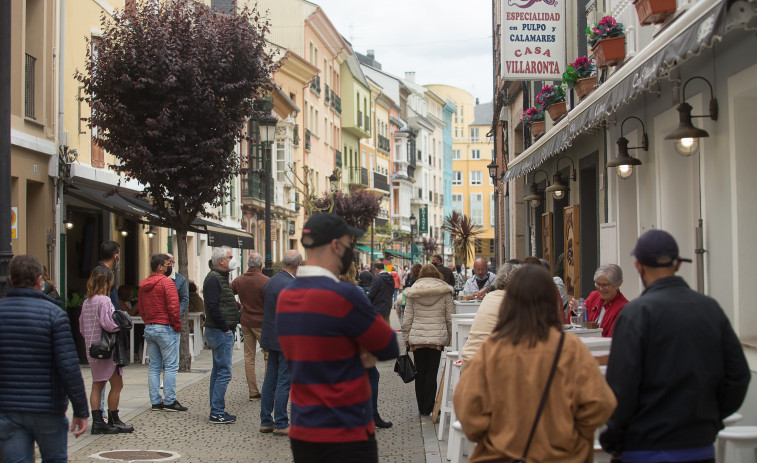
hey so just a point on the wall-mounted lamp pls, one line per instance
(686, 135)
(493, 167)
(69, 223)
(150, 232)
(534, 197)
(624, 162)
(124, 232)
(558, 189)
(122, 227)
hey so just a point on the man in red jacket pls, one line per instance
(249, 287)
(159, 308)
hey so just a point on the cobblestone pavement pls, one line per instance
(193, 439)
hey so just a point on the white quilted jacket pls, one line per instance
(428, 313)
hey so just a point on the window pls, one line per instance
(456, 155)
(475, 177)
(457, 178)
(223, 6)
(457, 202)
(474, 135)
(455, 132)
(479, 248)
(491, 246)
(475, 154)
(477, 208)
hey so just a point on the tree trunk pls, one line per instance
(185, 358)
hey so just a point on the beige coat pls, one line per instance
(428, 313)
(486, 319)
(500, 389)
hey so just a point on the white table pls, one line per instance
(584, 332)
(467, 307)
(135, 320)
(197, 334)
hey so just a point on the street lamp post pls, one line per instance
(266, 127)
(6, 251)
(493, 175)
(412, 229)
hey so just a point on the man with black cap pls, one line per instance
(676, 366)
(330, 334)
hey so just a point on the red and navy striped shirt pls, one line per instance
(321, 323)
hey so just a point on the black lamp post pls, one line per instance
(412, 229)
(266, 127)
(6, 252)
(493, 167)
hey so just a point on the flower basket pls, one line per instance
(557, 110)
(654, 11)
(585, 86)
(609, 52)
(577, 70)
(537, 129)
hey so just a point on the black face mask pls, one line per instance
(346, 260)
(169, 271)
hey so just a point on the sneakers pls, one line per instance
(174, 407)
(223, 418)
(157, 407)
(281, 432)
(266, 429)
(381, 423)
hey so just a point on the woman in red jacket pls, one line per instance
(604, 305)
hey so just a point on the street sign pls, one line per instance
(423, 219)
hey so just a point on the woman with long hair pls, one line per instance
(426, 328)
(96, 316)
(501, 388)
(415, 271)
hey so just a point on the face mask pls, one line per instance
(346, 260)
(232, 263)
(169, 271)
(480, 278)
(118, 262)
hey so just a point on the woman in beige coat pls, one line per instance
(500, 389)
(426, 329)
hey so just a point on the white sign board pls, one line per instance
(533, 39)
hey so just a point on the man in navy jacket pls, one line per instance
(33, 400)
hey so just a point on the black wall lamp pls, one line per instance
(150, 232)
(69, 223)
(686, 135)
(558, 189)
(534, 197)
(624, 162)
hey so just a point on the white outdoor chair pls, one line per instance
(733, 440)
(449, 376)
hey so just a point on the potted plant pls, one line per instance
(534, 117)
(552, 98)
(581, 75)
(654, 11)
(607, 41)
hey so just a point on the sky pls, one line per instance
(443, 41)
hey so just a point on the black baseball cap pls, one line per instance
(657, 248)
(323, 227)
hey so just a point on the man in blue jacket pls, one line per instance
(33, 401)
(275, 392)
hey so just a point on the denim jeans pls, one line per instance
(275, 393)
(19, 431)
(164, 355)
(221, 343)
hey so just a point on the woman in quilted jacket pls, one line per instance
(426, 328)
(96, 316)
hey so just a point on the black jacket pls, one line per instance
(447, 275)
(676, 368)
(121, 349)
(382, 290)
(365, 280)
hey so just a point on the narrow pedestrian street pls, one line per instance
(190, 438)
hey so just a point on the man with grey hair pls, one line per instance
(222, 316)
(604, 305)
(273, 404)
(480, 283)
(249, 287)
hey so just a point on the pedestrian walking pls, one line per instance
(33, 401)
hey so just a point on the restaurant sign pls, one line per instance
(533, 39)
(423, 219)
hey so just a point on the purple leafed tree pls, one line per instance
(358, 208)
(171, 85)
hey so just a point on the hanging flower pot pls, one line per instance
(557, 110)
(537, 129)
(654, 11)
(609, 52)
(585, 86)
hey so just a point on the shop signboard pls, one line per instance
(533, 39)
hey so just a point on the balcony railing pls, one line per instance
(336, 103)
(380, 182)
(327, 93)
(364, 176)
(338, 158)
(307, 140)
(360, 118)
(315, 85)
(441, 199)
(296, 135)
(367, 123)
(29, 86)
(384, 144)
(436, 198)
(252, 187)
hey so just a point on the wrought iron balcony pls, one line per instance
(31, 63)
(384, 144)
(307, 140)
(315, 85)
(328, 93)
(338, 158)
(336, 103)
(380, 181)
(296, 135)
(252, 187)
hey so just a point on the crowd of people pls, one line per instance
(527, 390)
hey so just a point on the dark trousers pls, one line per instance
(426, 366)
(342, 452)
(373, 377)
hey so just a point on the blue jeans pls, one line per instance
(275, 393)
(19, 431)
(164, 355)
(221, 343)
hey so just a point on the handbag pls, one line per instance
(543, 400)
(103, 349)
(404, 367)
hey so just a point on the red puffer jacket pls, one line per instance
(159, 301)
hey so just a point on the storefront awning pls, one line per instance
(390, 253)
(694, 30)
(220, 235)
(367, 249)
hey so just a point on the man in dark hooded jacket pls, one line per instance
(382, 289)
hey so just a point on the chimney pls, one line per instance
(371, 54)
(476, 101)
(410, 76)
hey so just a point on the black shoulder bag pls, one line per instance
(404, 367)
